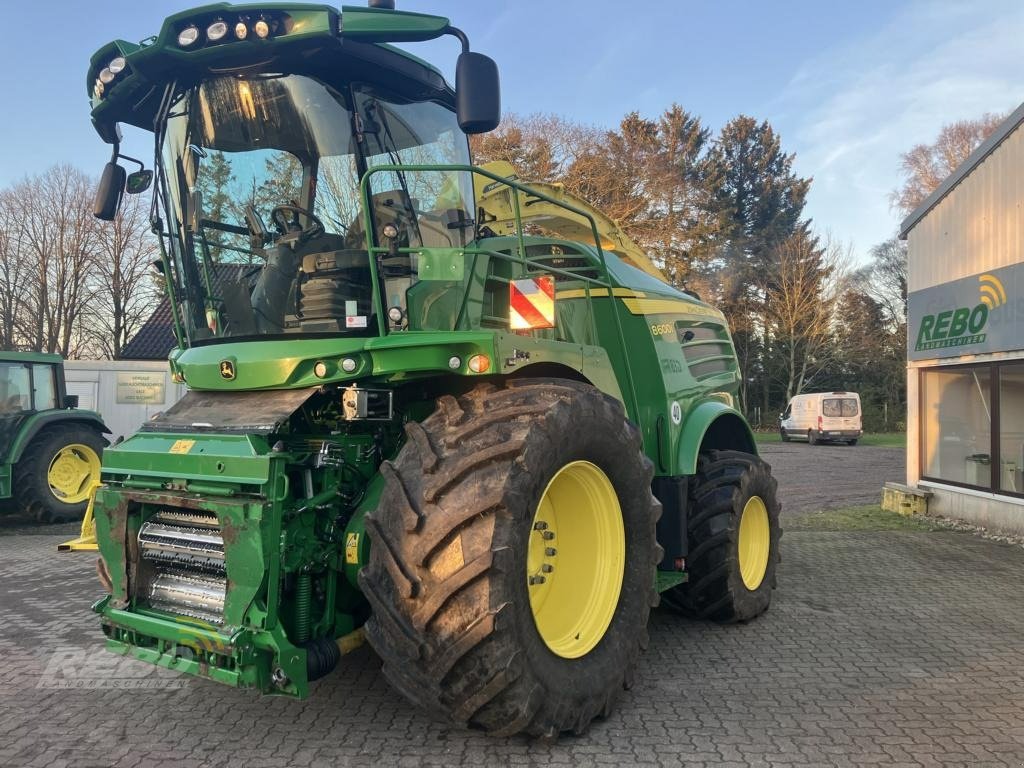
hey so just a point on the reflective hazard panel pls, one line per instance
(531, 303)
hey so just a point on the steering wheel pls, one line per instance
(283, 223)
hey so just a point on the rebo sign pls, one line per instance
(969, 316)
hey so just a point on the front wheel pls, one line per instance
(513, 558)
(734, 539)
(783, 435)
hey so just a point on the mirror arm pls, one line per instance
(142, 165)
(458, 33)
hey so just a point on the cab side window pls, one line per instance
(44, 394)
(14, 388)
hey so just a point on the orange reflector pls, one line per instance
(531, 303)
(479, 364)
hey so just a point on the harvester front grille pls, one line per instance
(183, 562)
(707, 349)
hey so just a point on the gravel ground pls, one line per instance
(816, 477)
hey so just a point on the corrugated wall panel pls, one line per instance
(979, 225)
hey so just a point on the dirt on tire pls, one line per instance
(447, 572)
(715, 590)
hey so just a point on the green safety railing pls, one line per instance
(476, 249)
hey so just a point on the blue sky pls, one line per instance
(849, 86)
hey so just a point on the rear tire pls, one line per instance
(447, 578)
(812, 437)
(851, 442)
(730, 577)
(55, 474)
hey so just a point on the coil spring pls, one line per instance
(303, 606)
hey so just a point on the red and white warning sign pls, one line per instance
(531, 303)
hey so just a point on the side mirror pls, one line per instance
(70, 401)
(138, 182)
(477, 93)
(109, 192)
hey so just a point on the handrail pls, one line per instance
(374, 249)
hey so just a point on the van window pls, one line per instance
(839, 406)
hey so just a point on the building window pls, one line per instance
(956, 419)
(1011, 428)
(972, 426)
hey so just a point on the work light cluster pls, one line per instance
(108, 74)
(221, 30)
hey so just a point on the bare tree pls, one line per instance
(926, 166)
(13, 274)
(121, 279)
(57, 234)
(805, 283)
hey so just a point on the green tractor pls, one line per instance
(49, 449)
(415, 413)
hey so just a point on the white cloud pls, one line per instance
(850, 111)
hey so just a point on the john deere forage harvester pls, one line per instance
(488, 450)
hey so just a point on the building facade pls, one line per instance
(125, 392)
(965, 336)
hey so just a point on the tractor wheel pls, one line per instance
(734, 539)
(812, 437)
(57, 471)
(513, 556)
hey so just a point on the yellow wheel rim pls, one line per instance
(72, 472)
(754, 542)
(576, 558)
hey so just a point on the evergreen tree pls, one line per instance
(763, 200)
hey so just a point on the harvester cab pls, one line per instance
(462, 415)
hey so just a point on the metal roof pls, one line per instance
(986, 148)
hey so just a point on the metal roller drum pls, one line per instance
(184, 552)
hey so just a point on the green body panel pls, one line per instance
(289, 501)
(700, 416)
(235, 459)
(34, 422)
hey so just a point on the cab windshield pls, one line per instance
(260, 181)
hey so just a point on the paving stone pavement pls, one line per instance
(880, 649)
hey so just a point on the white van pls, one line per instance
(822, 416)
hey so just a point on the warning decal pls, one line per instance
(531, 303)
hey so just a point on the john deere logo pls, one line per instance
(227, 370)
(963, 326)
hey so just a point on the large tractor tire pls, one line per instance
(734, 539)
(513, 556)
(57, 471)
